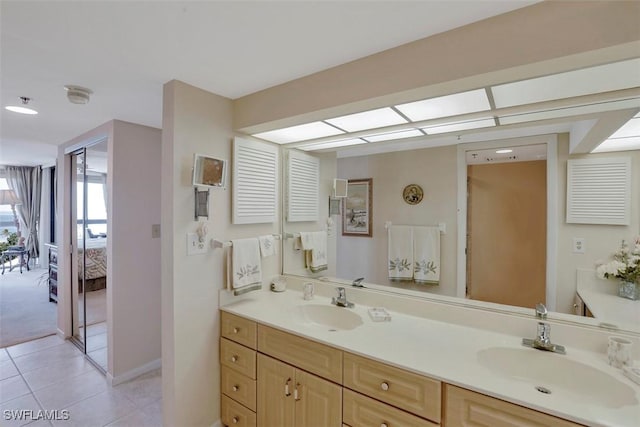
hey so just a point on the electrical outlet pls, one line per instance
(194, 245)
(579, 245)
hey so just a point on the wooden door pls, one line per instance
(507, 209)
(319, 402)
(276, 383)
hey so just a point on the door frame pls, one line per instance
(551, 142)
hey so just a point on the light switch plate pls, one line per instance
(194, 245)
(579, 245)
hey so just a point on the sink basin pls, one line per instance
(328, 317)
(558, 374)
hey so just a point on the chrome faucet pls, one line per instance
(357, 283)
(341, 299)
(542, 341)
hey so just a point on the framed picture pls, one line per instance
(357, 210)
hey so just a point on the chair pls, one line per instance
(12, 252)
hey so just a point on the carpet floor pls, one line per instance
(25, 310)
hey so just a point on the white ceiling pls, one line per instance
(125, 52)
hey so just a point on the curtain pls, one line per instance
(27, 183)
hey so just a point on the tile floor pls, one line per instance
(50, 374)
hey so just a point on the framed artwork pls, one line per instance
(357, 210)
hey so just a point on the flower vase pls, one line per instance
(629, 290)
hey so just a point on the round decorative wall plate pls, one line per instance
(412, 194)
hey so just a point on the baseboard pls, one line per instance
(61, 334)
(140, 370)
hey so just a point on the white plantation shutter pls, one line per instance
(255, 182)
(303, 187)
(599, 191)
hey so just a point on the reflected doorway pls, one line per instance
(89, 257)
(507, 226)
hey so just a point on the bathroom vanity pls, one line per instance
(289, 362)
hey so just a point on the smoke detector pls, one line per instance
(78, 94)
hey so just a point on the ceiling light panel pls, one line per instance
(332, 144)
(631, 128)
(570, 111)
(444, 106)
(299, 133)
(455, 127)
(394, 135)
(603, 78)
(368, 120)
(619, 144)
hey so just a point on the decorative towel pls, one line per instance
(426, 253)
(315, 250)
(267, 245)
(400, 252)
(244, 266)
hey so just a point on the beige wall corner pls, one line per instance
(544, 38)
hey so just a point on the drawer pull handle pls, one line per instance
(384, 386)
(234, 358)
(234, 420)
(296, 396)
(286, 388)
(235, 388)
(384, 425)
(236, 330)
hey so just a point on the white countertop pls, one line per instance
(443, 351)
(601, 297)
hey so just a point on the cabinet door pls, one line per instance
(319, 402)
(276, 383)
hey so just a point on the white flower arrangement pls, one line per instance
(625, 265)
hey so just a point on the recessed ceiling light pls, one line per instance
(367, 120)
(504, 151)
(299, 133)
(22, 109)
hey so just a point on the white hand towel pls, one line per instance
(400, 252)
(315, 247)
(267, 245)
(246, 268)
(426, 253)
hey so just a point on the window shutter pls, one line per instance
(303, 187)
(599, 191)
(255, 182)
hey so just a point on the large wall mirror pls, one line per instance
(498, 200)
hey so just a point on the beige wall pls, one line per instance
(133, 275)
(133, 278)
(195, 121)
(541, 39)
(434, 169)
(600, 240)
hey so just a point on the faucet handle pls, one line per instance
(341, 292)
(541, 311)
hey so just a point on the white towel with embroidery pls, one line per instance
(267, 245)
(245, 266)
(315, 247)
(426, 254)
(400, 252)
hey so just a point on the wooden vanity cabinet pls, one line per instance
(470, 409)
(291, 397)
(238, 371)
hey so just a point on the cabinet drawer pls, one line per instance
(471, 409)
(363, 411)
(240, 388)
(406, 390)
(238, 357)
(311, 356)
(238, 329)
(234, 414)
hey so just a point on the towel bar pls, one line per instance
(215, 243)
(441, 226)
